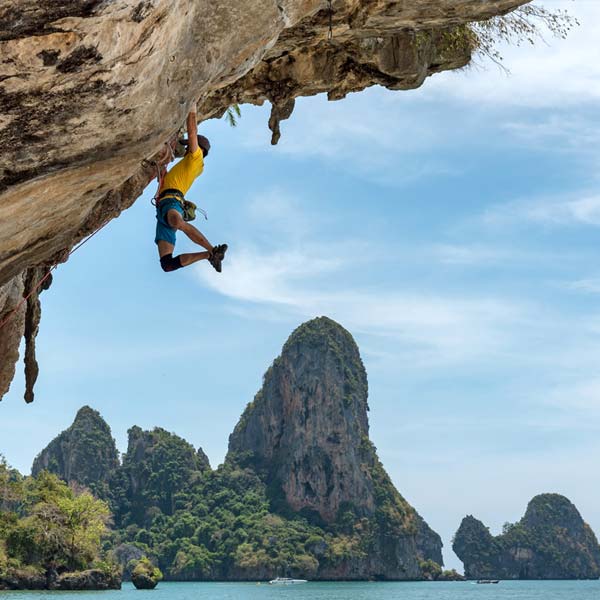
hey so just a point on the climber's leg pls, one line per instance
(176, 221)
(164, 248)
(192, 257)
(170, 263)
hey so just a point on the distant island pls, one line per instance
(551, 541)
(301, 493)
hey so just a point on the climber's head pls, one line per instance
(204, 144)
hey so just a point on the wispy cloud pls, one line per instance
(580, 399)
(391, 148)
(475, 254)
(546, 211)
(589, 285)
(435, 328)
(306, 275)
(255, 276)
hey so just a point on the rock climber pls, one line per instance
(171, 206)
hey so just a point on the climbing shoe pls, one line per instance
(220, 250)
(217, 255)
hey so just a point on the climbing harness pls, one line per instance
(39, 284)
(189, 208)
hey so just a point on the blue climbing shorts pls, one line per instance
(163, 230)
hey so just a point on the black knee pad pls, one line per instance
(168, 263)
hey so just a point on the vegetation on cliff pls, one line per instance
(158, 469)
(525, 24)
(47, 531)
(551, 541)
(145, 575)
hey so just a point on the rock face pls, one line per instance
(20, 314)
(550, 542)
(156, 467)
(85, 453)
(91, 579)
(307, 434)
(89, 89)
(143, 582)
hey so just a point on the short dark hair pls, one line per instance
(204, 144)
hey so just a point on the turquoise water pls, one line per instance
(513, 590)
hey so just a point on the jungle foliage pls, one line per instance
(46, 525)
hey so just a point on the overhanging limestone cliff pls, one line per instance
(90, 88)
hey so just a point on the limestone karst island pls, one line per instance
(401, 188)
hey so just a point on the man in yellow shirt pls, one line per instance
(169, 206)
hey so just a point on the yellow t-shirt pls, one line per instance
(182, 175)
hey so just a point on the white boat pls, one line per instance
(286, 581)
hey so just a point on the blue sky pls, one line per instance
(452, 229)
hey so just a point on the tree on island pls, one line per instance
(48, 527)
(145, 575)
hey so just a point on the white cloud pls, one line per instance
(579, 398)
(256, 276)
(554, 73)
(475, 254)
(551, 211)
(431, 328)
(590, 285)
(559, 132)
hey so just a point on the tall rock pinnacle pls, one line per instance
(85, 453)
(307, 426)
(307, 434)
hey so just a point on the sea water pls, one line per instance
(509, 590)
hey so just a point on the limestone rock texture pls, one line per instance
(306, 433)
(551, 541)
(84, 454)
(13, 329)
(91, 579)
(89, 89)
(144, 582)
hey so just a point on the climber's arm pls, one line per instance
(192, 130)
